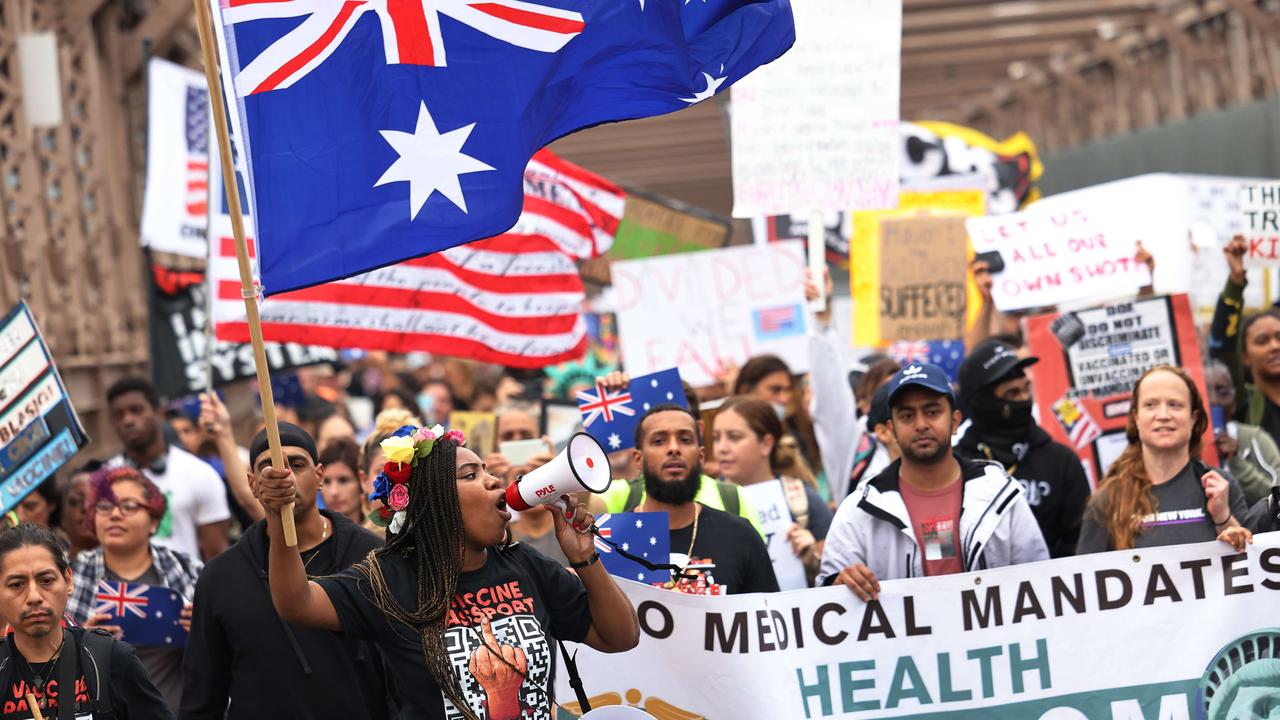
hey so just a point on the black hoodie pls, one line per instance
(1054, 483)
(241, 651)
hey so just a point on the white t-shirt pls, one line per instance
(196, 497)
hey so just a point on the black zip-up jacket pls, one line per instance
(241, 652)
(1054, 483)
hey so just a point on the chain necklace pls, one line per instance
(324, 533)
(42, 679)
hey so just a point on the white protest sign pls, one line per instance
(1061, 254)
(1113, 636)
(702, 311)
(175, 202)
(770, 502)
(817, 129)
(1260, 205)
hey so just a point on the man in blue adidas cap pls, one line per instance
(908, 520)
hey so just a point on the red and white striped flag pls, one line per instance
(515, 299)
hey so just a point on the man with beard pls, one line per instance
(997, 392)
(930, 512)
(723, 551)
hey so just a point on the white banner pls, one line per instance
(817, 129)
(1129, 635)
(175, 204)
(703, 311)
(1059, 252)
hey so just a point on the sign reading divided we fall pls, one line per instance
(39, 430)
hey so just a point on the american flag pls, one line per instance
(946, 354)
(197, 134)
(515, 299)
(1081, 428)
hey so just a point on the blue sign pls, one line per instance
(23, 445)
(37, 469)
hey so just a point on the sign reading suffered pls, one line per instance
(922, 278)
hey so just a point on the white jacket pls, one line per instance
(872, 526)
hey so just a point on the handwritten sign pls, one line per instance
(1260, 205)
(702, 311)
(923, 267)
(817, 129)
(770, 502)
(1062, 254)
(654, 225)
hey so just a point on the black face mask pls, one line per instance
(1002, 424)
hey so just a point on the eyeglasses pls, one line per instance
(127, 507)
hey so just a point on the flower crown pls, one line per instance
(403, 450)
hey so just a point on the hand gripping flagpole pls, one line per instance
(204, 22)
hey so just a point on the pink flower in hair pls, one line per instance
(399, 498)
(422, 435)
(457, 437)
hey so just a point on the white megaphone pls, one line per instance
(583, 465)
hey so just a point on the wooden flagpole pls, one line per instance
(208, 45)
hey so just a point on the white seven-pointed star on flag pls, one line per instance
(615, 442)
(639, 523)
(653, 541)
(713, 84)
(430, 161)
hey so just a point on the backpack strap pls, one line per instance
(635, 489)
(97, 669)
(730, 498)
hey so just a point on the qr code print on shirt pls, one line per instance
(522, 631)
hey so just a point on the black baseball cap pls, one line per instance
(879, 412)
(925, 375)
(290, 436)
(992, 361)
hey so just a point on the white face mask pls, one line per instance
(780, 410)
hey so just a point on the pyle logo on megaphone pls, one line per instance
(583, 465)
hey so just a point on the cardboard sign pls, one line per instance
(770, 502)
(654, 226)
(923, 268)
(864, 251)
(1260, 205)
(817, 129)
(39, 429)
(1089, 362)
(480, 428)
(700, 312)
(1063, 254)
(175, 204)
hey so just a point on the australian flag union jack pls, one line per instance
(380, 130)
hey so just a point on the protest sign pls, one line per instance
(864, 252)
(179, 343)
(836, 230)
(1215, 216)
(939, 152)
(817, 129)
(770, 501)
(1260, 205)
(39, 429)
(923, 268)
(1089, 361)
(700, 312)
(480, 429)
(653, 225)
(1111, 636)
(1061, 254)
(175, 202)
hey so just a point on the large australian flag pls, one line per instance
(381, 131)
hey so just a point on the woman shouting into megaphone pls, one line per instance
(466, 619)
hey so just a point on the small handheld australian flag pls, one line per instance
(148, 615)
(611, 417)
(646, 534)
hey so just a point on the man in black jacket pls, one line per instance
(996, 391)
(241, 652)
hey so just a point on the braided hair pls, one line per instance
(433, 538)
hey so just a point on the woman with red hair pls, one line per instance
(123, 510)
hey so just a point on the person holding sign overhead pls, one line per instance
(124, 510)
(1158, 492)
(931, 512)
(747, 434)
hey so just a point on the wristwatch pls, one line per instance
(595, 558)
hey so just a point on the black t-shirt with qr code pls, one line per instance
(530, 600)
